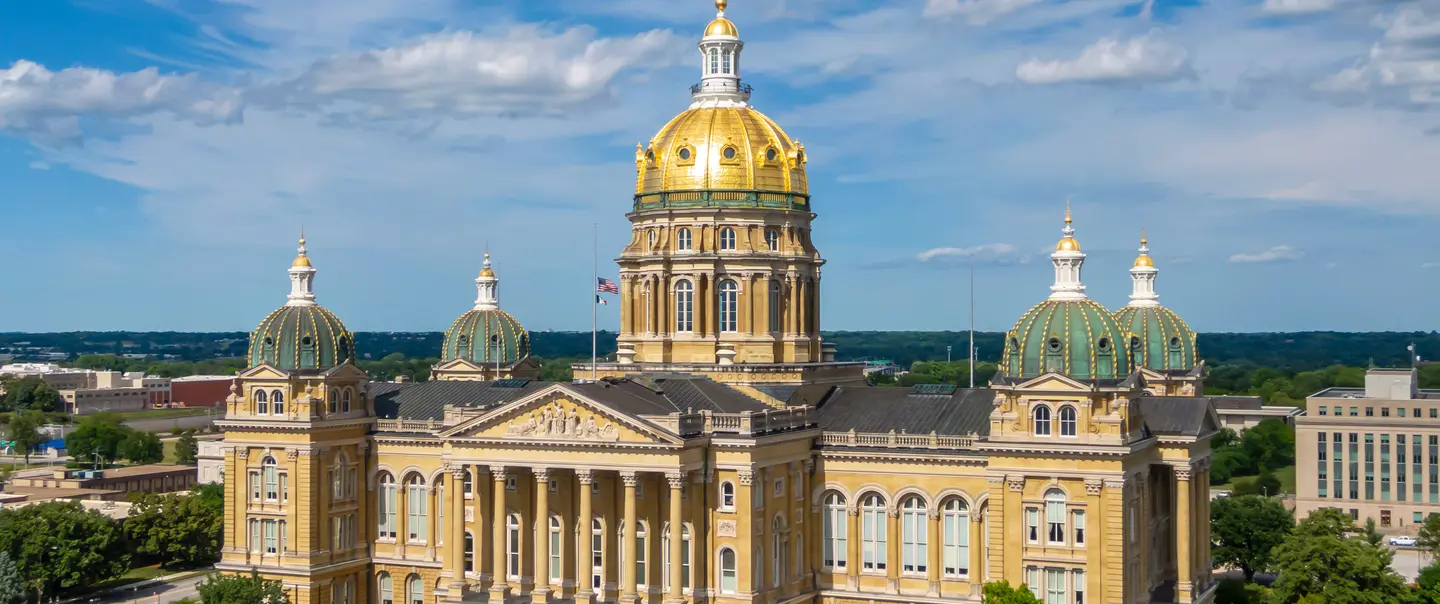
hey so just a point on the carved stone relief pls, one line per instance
(554, 421)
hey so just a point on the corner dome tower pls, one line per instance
(1158, 338)
(720, 151)
(1068, 333)
(301, 335)
(486, 335)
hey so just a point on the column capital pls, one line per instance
(459, 471)
(291, 453)
(585, 476)
(629, 477)
(809, 465)
(242, 452)
(676, 479)
(541, 475)
(746, 477)
(498, 472)
(1114, 484)
(1093, 486)
(1016, 482)
(1182, 473)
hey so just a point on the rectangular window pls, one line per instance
(1400, 411)
(1054, 586)
(255, 536)
(1078, 518)
(1370, 466)
(1432, 413)
(1384, 412)
(1032, 525)
(1078, 581)
(1055, 522)
(255, 486)
(1354, 412)
(1322, 409)
(271, 542)
(1384, 467)
(556, 566)
(1032, 580)
(955, 543)
(1369, 412)
(1419, 518)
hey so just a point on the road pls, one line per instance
(1408, 562)
(161, 594)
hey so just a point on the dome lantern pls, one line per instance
(302, 278)
(1142, 276)
(488, 286)
(720, 64)
(1068, 260)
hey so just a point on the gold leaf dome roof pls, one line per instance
(1143, 260)
(721, 148)
(722, 27)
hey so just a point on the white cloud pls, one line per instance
(989, 253)
(1429, 265)
(975, 12)
(46, 104)
(527, 71)
(1297, 7)
(1279, 253)
(1402, 67)
(1145, 58)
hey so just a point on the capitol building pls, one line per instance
(724, 455)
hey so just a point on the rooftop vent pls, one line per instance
(509, 383)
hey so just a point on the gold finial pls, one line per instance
(1144, 241)
(1067, 209)
(721, 4)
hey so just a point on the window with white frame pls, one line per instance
(1077, 583)
(255, 486)
(417, 501)
(955, 538)
(334, 401)
(835, 526)
(1042, 420)
(1067, 421)
(597, 554)
(345, 401)
(1055, 586)
(387, 588)
(727, 238)
(512, 545)
(277, 402)
(714, 61)
(556, 566)
(729, 577)
(414, 590)
(388, 507)
(684, 306)
(727, 496)
(682, 239)
(642, 531)
(777, 551)
(440, 509)
(914, 556)
(262, 402)
(272, 479)
(1032, 581)
(272, 540)
(872, 533)
(469, 552)
(1077, 520)
(256, 537)
(772, 240)
(1055, 517)
(1032, 525)
(729, 306)
(685, 554)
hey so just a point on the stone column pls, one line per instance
(627, 305)
(291, 499)
(402, 518)
(628, 595)
(852, 557)
(582, 541)
(456, 492)
(499, 587)
(1013, 570)
(478, 523)
(1184, 546)
(677, 482)
(892, 546)
(791, 305)
(541, 592)
(701, 305)
(977, 559)
(934, 541)
(1095, 545)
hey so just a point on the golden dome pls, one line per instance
(721, 149)
(1144, 260)
(301, 260)
(487, 272)
(1068, 242)
(721, 27)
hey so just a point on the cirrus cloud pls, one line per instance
(975, 12)
(1279, 253)
(1145, 58)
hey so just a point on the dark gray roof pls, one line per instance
(1236, 402)
(872, 409)
(427, 400)
(1176, 415)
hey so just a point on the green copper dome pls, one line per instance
(1076, 337)
(480, 334)
(301, 337)
(1157, 338)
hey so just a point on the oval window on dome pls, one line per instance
(269, 341)
(1014, 345)
(1054, 344)
(1174, 342)
(650, 155)
(729, 153)
(685, 154)
(306, 341)
(1104, 344)
(1134, 342)
(463, 340)
(770, 154)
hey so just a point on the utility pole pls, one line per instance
(947, 354)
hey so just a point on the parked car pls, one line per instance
(1403, 540)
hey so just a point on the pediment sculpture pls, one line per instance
(554, 421)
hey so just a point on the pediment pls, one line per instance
(347, 370)
(1054, 381)
(457, 364)
(561, 415)
(264, 371)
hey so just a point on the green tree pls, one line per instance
(99, 434)
(1246, 530)
(30, 393)
(1429, 585)
(186, 449)
(59, 545)
(1002, 593)
(1266, 484)
(1235, 591)
(12, 585)
(1271, 444)
(181, 529)
(1371, 534)
(222, 588)
(1429, 537)
(1318, 564)
(24, 431)
(142, 448)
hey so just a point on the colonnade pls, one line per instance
(648, 304)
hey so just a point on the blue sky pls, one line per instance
(160, 156)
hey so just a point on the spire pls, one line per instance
(1142, 277)
(302, 277)
(1067, 260)
(487, 284)
(720, 64)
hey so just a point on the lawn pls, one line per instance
(169, 446)
(161, 413)
(1285, 474)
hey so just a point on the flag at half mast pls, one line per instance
(607, 286)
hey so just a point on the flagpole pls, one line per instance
(594, 298)
(972, 321)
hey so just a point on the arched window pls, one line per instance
(642, 531)
(835, 543)
(262, 402)
(651, 234)
(729, 580)
(757, 569)
(727, 238)
(389, 506)
(345, 401)
(334, 400)
(714, 60)
(1042, 420)
(512, 545)
(414, 590)
(556, 566)
(729, 306)
(272, 479)
(1055, 516)
(682, 239)
(777, 306)
(685, 554)
(440, 484)
(955, 538)
(387, 589)
(469, 552)
(597, 554)
(277, 402)
(1067, 421)
(872, 533)
(772, 240)
(777, 551)
(416, 501)
(727, 496)
(684, 306)
(914, 557)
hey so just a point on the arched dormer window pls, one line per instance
(262, 402)
(727, 238)
(684, 306)
(334, 400)
(271, 475)
(342, 352)
(1041, 417)
(1068, 421)
(307, 351)
(1014, 352)
(277, 402)
(834, 548)
(955, 538)
(345, 401)
(1055, 516)
(1177, 353)
(683, 240)
(1104, 358)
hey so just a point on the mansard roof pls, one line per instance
(1191, 416)
(642, 396)
(947, 411)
